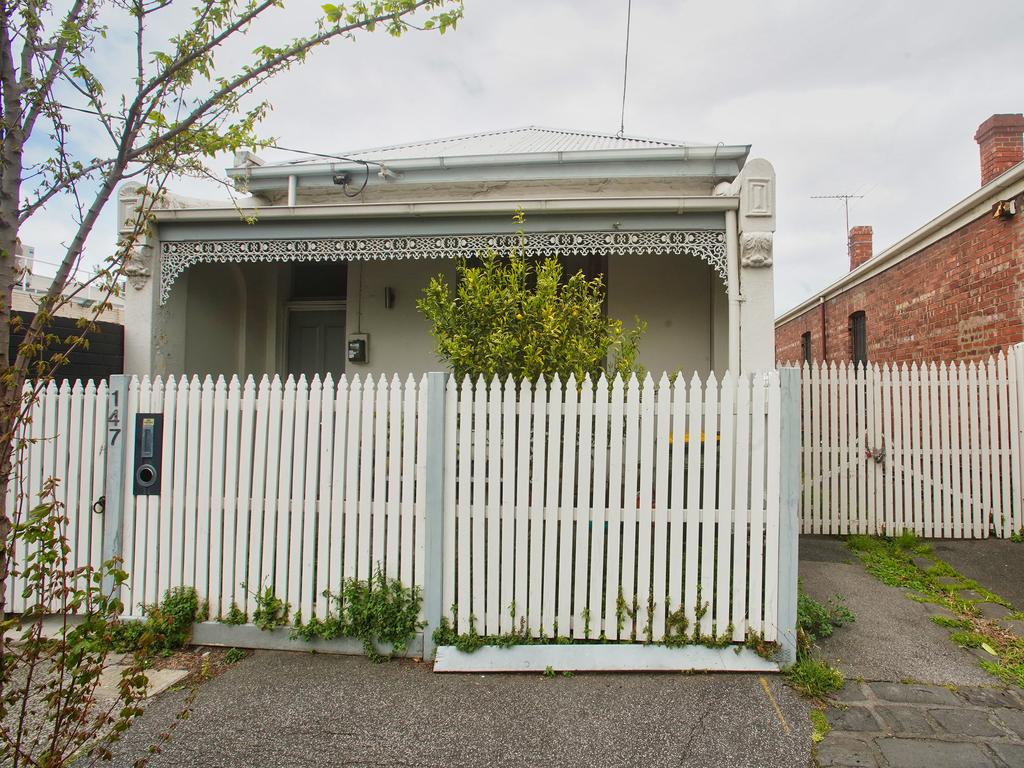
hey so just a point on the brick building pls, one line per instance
(952, 290)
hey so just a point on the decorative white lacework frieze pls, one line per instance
(176, 257)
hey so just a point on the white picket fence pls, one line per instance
(934, 448)
(565, 503)
(63, 439)
(575, 510)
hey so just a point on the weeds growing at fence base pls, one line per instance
(814, 678)
(814, 621)
(166, 628)
(891, 561)
(379, 611)
(470, 641)
(820, 724)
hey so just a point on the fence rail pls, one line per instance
(933, 448)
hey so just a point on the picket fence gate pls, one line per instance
(570, 510)
(932, 448)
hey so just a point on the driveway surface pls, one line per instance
(892, 637)
(289, 709)
(997, 564)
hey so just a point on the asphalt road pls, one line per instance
(288, 709)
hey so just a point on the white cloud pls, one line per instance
(881, 99)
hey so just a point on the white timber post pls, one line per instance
(755, 187)
(117, 423)
(139, 297)
(433, 517)
(789, 511)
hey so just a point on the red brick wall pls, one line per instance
(961, 298)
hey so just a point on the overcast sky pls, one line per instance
(874, 98)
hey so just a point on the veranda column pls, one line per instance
(756, 189)
(139, 297)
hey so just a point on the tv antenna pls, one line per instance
(846, 204)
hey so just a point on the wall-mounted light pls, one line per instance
(389, 297)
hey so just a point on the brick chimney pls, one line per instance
(1001, 140)
(860, 246)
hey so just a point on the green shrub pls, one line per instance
(271, 611)
(235, 616)
(380, 611)
(166, 628)
(511, 316)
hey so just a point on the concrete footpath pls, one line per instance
(289, 709)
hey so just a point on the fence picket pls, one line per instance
(723, 526)
(492, 518)
(551, 499)
(616, 435)
(583, 517)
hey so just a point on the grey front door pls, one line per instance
(316, 342)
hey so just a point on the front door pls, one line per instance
(316, 342)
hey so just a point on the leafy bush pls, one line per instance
(378, 611)
(235, 616)
(512, 317)
(167, 626)
(271, 611)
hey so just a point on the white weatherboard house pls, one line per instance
(342, 247)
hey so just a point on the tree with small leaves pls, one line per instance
(170, 109)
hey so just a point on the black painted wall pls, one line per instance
(105, 355)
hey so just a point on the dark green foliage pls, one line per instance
(816, 621)
(234, 655)
(235, 616)
(271, 611)
(167, 626)
(378, 612)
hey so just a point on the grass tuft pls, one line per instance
(820, 724)
(814, 678)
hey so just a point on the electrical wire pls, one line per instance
(365, 163)
(625, 70)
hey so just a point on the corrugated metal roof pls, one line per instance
(513, 141)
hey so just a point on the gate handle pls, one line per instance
(100, 505)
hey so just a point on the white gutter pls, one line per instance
(1010, 184)
(732, 152)
(461, 208)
